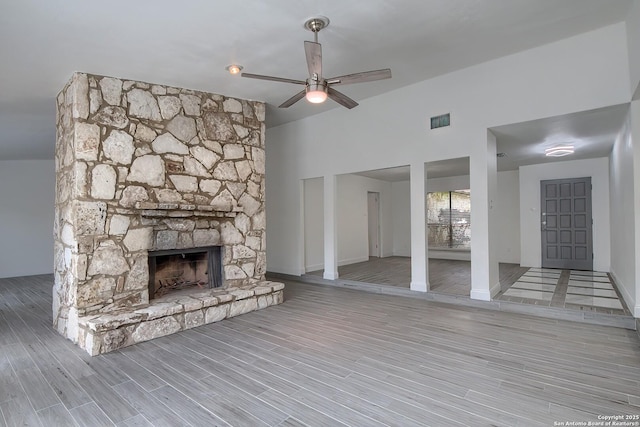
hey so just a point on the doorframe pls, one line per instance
(376, 227)
(529, 185)
(543, 220)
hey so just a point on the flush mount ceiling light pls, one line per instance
(234, 68)
(559, 151)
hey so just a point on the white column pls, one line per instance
(485, 281)
(330, 228)
(419, 250)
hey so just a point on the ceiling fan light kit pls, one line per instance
(316, 88)
(234, 68)
(316, 93)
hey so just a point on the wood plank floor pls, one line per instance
(445, 276)
(327, 356)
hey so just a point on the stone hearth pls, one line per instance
(143, 167)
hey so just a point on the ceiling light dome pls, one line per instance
(316, 93)
(559, 151)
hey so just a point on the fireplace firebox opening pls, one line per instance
(175, 270)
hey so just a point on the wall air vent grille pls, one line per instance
(441, 121)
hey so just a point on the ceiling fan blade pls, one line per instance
(295, 98)
(275, 79)
(366, 76)
(341, 98)
(314, 57)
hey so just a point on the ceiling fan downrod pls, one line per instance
(315, 25)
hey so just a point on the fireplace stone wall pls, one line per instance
(143, 167)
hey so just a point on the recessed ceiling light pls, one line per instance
(234, 68)
(559, 151)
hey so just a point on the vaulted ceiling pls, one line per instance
(189, 44)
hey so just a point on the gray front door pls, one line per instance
(566, 224)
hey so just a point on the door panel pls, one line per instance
(566, 224)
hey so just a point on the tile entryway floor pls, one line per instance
(581, 290)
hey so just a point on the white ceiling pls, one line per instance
(396, 174)
(592, 133)
(438, 169)
(189, 43)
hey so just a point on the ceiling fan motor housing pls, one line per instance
(317, 85)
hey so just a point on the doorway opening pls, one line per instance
(373, 220)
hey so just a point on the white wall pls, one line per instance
(507, 211)
(635, 136)
(449, 183)
(353, 236)
(633, 42)
(621, 196)
(581, 73)
(530, 235)
(401, 216)
(353, 232)
(27, 189)
(313, 224)
(285, 244)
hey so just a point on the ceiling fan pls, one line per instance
(316, 87)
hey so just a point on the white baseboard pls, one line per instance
(633, 305)
(418, 286)
(406, 254)
(494, 290)
(450, 254)
(483, 295)
(330, 275)
(509, 261)
(313, 267)
(352, 261)
(286, 271)
(316, 267)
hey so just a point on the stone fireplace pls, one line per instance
(150, 175)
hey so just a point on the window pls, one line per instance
(449, 219)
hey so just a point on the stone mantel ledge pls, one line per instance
(173, 313)
(178, 210)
